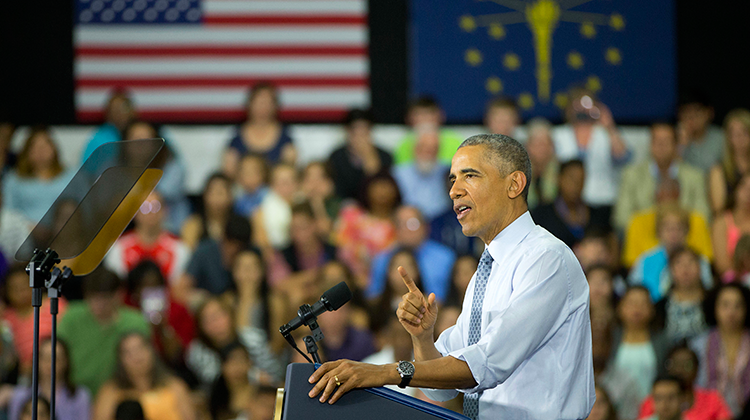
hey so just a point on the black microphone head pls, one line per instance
(336, 296)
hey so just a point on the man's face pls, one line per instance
(672, 232)
(478, 192)
(663, 144)
(695, 117)
(103, 305)
(410, 230)
(682, 365)
(667, 400)
(571, 184)
(425, 117)
(502, 120)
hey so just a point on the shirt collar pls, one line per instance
(673, 169)
(511, 236)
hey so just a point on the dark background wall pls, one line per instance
(36, 69)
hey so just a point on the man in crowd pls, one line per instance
(425, 112)
(701, 142)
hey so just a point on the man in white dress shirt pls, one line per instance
(521, 348)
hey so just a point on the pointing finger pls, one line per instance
(408, 281)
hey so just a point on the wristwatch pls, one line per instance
(406, 370)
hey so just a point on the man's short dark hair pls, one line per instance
(101, 281)
(358, 114)
(573, 163)
(424, 102)
(684, 387)
(303, 208)
(694, 97)
(510, 155)
(238, 229)
(502, 102)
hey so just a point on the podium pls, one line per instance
(360, 404)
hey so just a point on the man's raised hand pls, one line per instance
(417, 314)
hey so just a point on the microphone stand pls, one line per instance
(305, 312)
(54, 290)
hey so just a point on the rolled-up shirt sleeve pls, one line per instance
(538, 306)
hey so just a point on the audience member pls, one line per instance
(252, 178)
(423, 181)
(352, 164)
(434, 259)
(93, 327)
(38, 179)
(592, 136)
(14, 229)
(318, 188)
(702, 144)
(425, 112)
(7, 156)
(262, 406)
(214, 212)
(730, 226)
(603, 408)
(680, 312)
(394, 345)
(71, 402)
(461, 274)
(334, 272)
(642, 233)
(568, 217)
(701, 404)
(19, 315)
(740, 271)
(232, 392)
(118, 113)
(544, 164)
(724, 350)
(140, 375)
(386, 303)
(502, 117)
(601, 293)
(599, 247)
(129, 410)
(261, 133)
(669, 395)
(723, 177)
(651, 269)
(343, 339)
(253, 296)
(42, 407)
(272, 218)
(364, 231)
(640, 180)
(149, 240)
(623, 392)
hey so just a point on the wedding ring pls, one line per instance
(336, 378)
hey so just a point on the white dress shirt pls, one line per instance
(534, 359)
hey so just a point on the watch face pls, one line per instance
(406, 368)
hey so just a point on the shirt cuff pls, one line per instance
(475, 357)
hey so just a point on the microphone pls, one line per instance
(331, 300)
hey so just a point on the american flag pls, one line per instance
(194, 60)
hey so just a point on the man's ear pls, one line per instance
(518, 183)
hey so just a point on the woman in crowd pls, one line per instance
(731, 225)
(262, 133)
(387, 303)
(232, 393)
(544, 163)
(212, 216)
(216, 330)
(680, 312)
(39, 176)
(463, 270)
(740, 271)
(71, 402)
(334, 272)
(724, 177)
(724, 350)
(252, 180)
(319, 189)
(364, 231)
(601, 294)
(140, 375)
(273, 216)
(603, 408)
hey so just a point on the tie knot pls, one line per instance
(486, 258)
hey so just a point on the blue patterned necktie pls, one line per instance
(471, 401)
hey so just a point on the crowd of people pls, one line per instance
(180, 320)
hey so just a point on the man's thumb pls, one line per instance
(431, 301)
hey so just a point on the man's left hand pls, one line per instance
(349, 375)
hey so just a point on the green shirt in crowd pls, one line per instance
(449, 142)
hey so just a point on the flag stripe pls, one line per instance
(219, 50)
(284, 7)
(210, 115)
(117, 82)
(284, 20)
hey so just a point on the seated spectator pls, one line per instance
(599, 247)
(640, 180)
(622, 390)
(669, 395)
(252, 178)
(702, 144)
(119, 112)
(730, 226)
(209, 269)
(461, 274)
(14, 229)
(651, 269)
(701, 404)
(723, 177)
(214, 211)
(502, 117)
(7, 157)
(592, 136)
(306, 252)
(601, 293)
(568, 217)
(19, 315)
(217, 329)
(637, 350)
(544, 164)
(740, 272)
(171, 186)
(249, 276)
(172, 324)
(263, 404)
(93, 327)
(129, 410)
(140, 374)
(642, 234)
(42, 408)
(149, 241)
(359, 159)
(724, 350)
(232, 392)
(343, 339)
(334, 272)
(603, 408)
(425, 112)
(435, 260)
(364, 231)
(318, 188)
(422, 182)
(272, 218)
(38, 179)
(71, 402)
(387, 302)
(680, 313)
(261, 133)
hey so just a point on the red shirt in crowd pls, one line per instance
(708, 404)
